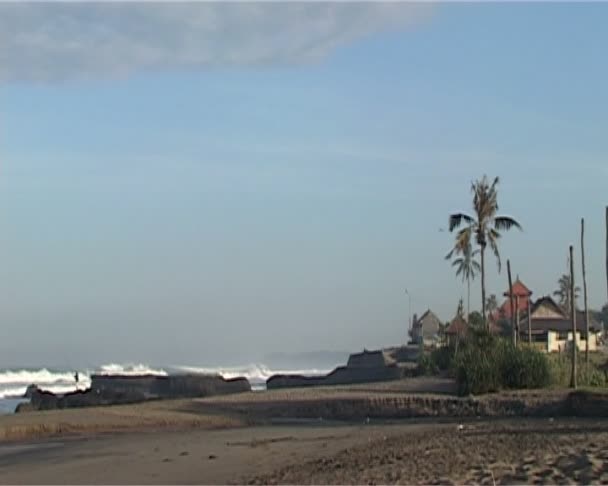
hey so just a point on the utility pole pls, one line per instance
(409, 309)
(573, 317)
(511, 302)
(585, 292)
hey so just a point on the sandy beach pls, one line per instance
(276, 437)
(420, 452)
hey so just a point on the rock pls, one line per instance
(115, 389)
(30, 390)
(24, 407)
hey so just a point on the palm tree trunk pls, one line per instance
(483, 286)
(573, 317)
(585, 291)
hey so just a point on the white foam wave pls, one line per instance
(129, 369)
(255, 373)
(13, 383)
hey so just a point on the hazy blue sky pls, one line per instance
(205, 183)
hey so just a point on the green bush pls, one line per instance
(443, 357)
(561, 370)
(523, 367)
(484, 363)
(426, 365)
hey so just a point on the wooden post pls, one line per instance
(573, 317)
(511, 303)
(585, 291)
(517, 323)
(529, 322)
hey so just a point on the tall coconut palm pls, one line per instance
(563, 293)
(485, 227)
(466, 266)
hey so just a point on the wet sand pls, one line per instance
(175, 457)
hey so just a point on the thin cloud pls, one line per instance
(47, 42)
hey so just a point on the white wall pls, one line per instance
(554, 344)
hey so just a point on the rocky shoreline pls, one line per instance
(120, 390)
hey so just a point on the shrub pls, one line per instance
(443, 357)
(426, 365)
(523, 367)
(485, 363)
(475, 370)
(560, 365)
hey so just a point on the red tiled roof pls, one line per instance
(457, 326)
(505, 309)
(520, 302)
(519, 290)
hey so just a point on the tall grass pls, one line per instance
(484, 363)
(587, 375)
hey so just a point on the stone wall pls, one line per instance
(344, 375)
(367, 359)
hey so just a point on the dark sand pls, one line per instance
(248, 438)
(508, 452)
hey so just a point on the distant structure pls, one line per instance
(457, 330)
(551, 328)
(425, 330)
(522, 296)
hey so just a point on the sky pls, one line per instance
(207, 183)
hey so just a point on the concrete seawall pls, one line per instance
(365, 367)
(353, 406)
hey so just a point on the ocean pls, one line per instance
(14, 382)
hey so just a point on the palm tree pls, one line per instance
(563, 293)
(466, 266)
(485, 227)
(491, 304)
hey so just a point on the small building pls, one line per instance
(457, 330)
(521, 300)
(425, 330)
(551, 328)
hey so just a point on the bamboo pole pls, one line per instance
(518, 316)
(529, 322)
(511, 302)
(573, 317)
(585, 291)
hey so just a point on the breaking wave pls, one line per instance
(256, 374)
(13, 383)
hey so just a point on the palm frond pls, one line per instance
(494, 247)
(457, 262)
(505, 223)
(457, 219)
